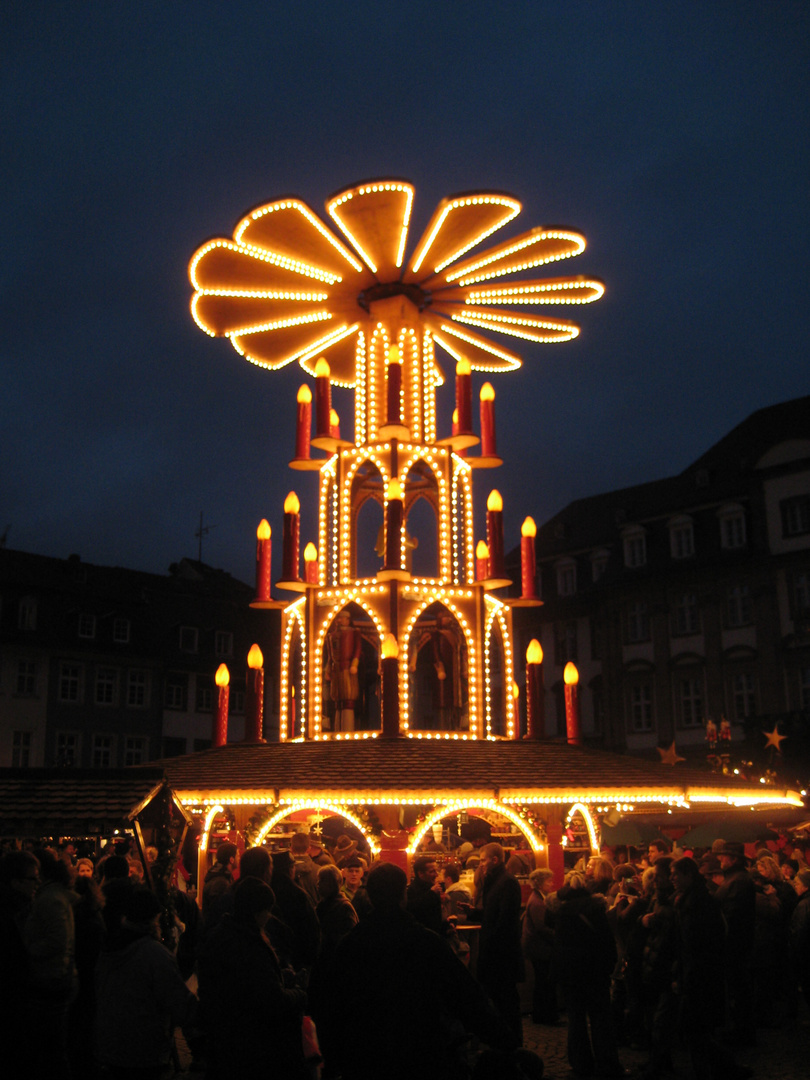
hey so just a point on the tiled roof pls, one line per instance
(427, 768)
(45, 802)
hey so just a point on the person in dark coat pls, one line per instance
(19, 880)
(500, 956)
(538, 941)
(587, 951)
(296, 909)
(424, 894)
(699, 973)
(737, 900)
(399, 1002)
(252, 1021)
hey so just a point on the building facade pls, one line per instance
(106, 667)
(686, 600)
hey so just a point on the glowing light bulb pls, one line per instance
(393, 356)
(263, 532)
(394, 490)
(322, 369)
(304, 396)
(255, 659)
(463, 368)
(292, 504)
(390, 647)
(528, 528)
(481, 550)
(310, 553)
(570, 674)
(534, 653)
(223, 676)
(487, 392)
(495, 502)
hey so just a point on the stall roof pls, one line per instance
(432, 770)
(74, 802)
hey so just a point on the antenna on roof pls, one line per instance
(200, 533)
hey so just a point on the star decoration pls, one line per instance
(773, 738)
(670, 756)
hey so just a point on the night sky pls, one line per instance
(673, 135)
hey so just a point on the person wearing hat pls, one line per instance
(217, 885)
(737, 899)
(344, 849)
(712, 871)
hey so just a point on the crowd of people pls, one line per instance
(305, 963)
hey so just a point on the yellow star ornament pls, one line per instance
(670, 756)
(773, 738)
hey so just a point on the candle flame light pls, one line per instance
(255, 659)
(534, 653)
(305, 394)
(322, 369)
(528, 528)
(570, 674)
(394, 490)
(223, 676)
(310, 553)
(393, 355)
(263, 531)
(487, 392)
(292, 504)
(390, 647)
(494, 500)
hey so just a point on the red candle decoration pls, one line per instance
(528, 565)
(393, 526)
(222, 679)
(390, 687)
(535, 692)
(572, 720)
(311, 564)
(481, 561)
(488, 421)
(394, 388)
(291, 538)
(303, 425)
(464, 397)
(462, 451)
(495, 534)
(254, 698)
(323, 398)
(334, 424)
(292, 710)
(264, 549)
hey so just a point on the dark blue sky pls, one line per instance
(673, 135)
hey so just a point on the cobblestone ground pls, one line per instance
(780, 1054)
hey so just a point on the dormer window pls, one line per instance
(681, 538)
(732, 527)
(599, 562)
(566, 578)
(635, 547)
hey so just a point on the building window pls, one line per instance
(67, 748)
(681, 538)
(223, 643)
(739, 610)
(87, 626)
(690, 702)
(687, 615)
(599, 563)
(134, 750)
(27, 614)
(795, 515)
(188, 639)
(106, 679)
(21, 749)
(70, 679)
(566, 578)
(121, 631)
(742, 690)
(566, 642)
(176, 692)
(638, 623)
(800, 595)
(136, 689)
(26, 678)
(102, 751)
(732, 528)
(635, 549)
(641, 707)
(804, 688)
(205, 694)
